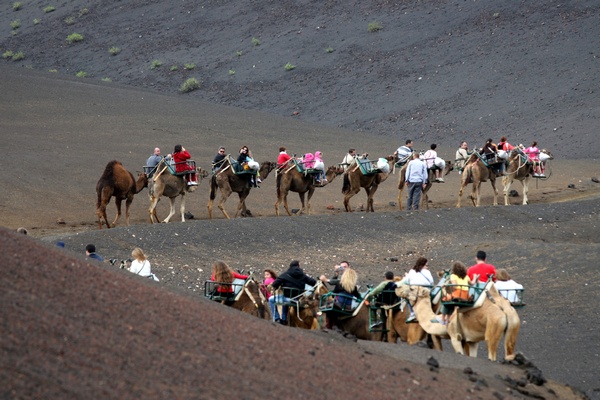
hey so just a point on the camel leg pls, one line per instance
(525, 183)
(225, 193)
(493, 182)
(118, 204)
(152, 209)
(471, 349)
(460, 193)
(286, 206)
(172, 212)
(506, 182)
(475, 193)
(457, 345)
(127, 205)
(424, 197)
(400, 199)
(347, 198)
(242, 205)
(302, 203)
(311, 191)
(210, 207)
(370, 198)
(182, 207)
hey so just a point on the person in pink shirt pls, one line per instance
(320, 166)
(270, 277)
(534, 156)
(309, 160)
(481, 268)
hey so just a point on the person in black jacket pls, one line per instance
(293, 282)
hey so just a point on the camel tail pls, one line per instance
(213, 187)
(346, 184)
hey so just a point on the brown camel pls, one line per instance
(424, 198)
(467, 326)
(166, 184)
(521, 170)
(354, 180)
(290, 179)
(252, 301)
(358, 325)
(119, 183)
(228, 182)
(306, 315)
(476, 172)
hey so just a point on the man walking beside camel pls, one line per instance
(416, 177)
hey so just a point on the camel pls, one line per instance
(424, 198)
(306, 315)
(290, 179)
(252, 301)
(519, 169)
(476, 172)
(467, 327)
(228, 182)
(354, 180)
(358, 325)
(398, 328)
(119, 183)
(166, 184)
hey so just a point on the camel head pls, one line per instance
(411, 293)
(201, 172)
(547, 153)
(449, 167)
(336, 169)
(266, 167)
(141, 182)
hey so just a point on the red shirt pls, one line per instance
(282, 159)
(181, 157)
(483, 270)
(228, 288)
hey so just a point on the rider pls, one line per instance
(430, 158)
(404, 152)
(419, 275)
(152, 162)
(490, 153)
(292, 281)
(534, 156)
(181, 157)
(283, 157)
(245, 159)
(219, 159)
(349, 294)
(223, 276)
(348, 159)
(462, 155)
(387, 298)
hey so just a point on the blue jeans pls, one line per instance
(275, 311)
(414, 195)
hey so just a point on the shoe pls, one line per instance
(258, 180)
(440, 180)
(283, 322)
(541, 175)
(192, 183)
(411, 318)
(536, 174)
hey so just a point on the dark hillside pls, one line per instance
(437, 71)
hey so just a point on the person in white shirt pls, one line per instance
(140, 265)
(405, 152)
(462, 155)
(416, 176)
(508, 288)
(430, 158)
(419, 275)
(349, 159)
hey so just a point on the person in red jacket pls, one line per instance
(224, 275)
(481, 268)
(181, 157)
(283, 157)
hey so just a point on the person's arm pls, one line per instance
(239, 276)
(378, 289)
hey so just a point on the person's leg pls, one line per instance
(417, 195)
(274, 311)
(409, 202)
(284, 311)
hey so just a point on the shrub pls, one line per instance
(69, 20)
(7, 54)
(49, 9)
(13, 33)
(155, 64)
(189, 66)
(105, 79)
(239, 53)
(190, 85)
(53, 70)
(36, 21)
(255, 41)
(329, 50)
(374, 27)
(74, 37)
(174, 68)
(17, 6)
(114, 50)
(18, 56)
(81, 74)
(231, 72)
(16, 24)
(83, 12)
(289, 67)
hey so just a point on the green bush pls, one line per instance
(114, 50)
(49, 9)
(255, 41)
(83, 12)
(189, 66)
(17, 6)
(231, 72)
(289, 66)
(81, 74)
(74, 37)
(155, 64)
(18, 56)
(16, 24)
(69, 20)
(190, 85)
(53, 70)
(239, 53)
(374, 27)
(174, 68)
(36, 21)
(329, 50)
(7, 54)
(105, 79)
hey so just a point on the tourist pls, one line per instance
(462, 156)
(481, 268)
(388, 297)
(247, 162)
(182, 166)
(404, 153)
(490, 154)
(319, 165)
(140, 265)
(431, 160)
(508, 288)
(223, 277)
(283, 157)
(347, 297)
(459, 290)
(219, 159)
(152, 162)
(269, 277)
(348, 159)
(292, 281)
(419, 275)
(338, 271)
(533, 153)
(90, 252)
(416, 178)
